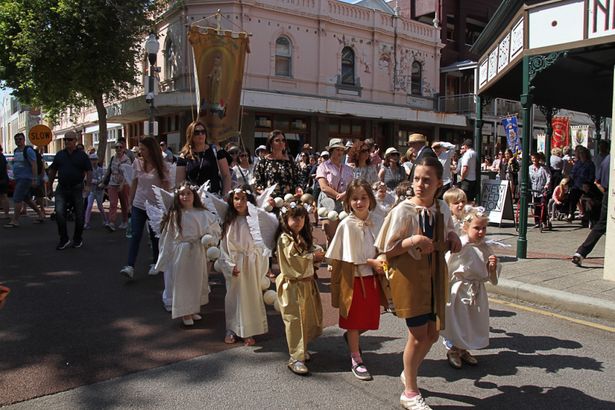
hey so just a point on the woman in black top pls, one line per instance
(277, 167)
(200, 162)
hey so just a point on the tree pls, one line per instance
(60, 54)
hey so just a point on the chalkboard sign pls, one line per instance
(497, 199)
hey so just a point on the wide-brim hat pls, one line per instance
(416, 137)
(336, 143)
(391, 151)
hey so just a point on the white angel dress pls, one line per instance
(243, 247)
(184, 257)
(467, 311)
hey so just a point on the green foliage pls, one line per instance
(73, 53)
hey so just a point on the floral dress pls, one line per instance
(282, 172)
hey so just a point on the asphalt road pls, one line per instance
(73, 326)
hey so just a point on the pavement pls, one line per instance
(71, 320)
(548, 277)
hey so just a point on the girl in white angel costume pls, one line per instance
(247, 241)
(467, 311)
(185, 231)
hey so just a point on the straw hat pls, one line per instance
(391, 151)
(417, 138)
(336, 143)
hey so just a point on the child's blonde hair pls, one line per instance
(454, 195)
(471, 213)
(565, 181)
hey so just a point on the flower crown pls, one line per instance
(292, 205)
(239, 191)
(192, 187)
(474, 211)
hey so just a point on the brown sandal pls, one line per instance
(454, 359)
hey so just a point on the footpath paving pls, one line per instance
(548, 277)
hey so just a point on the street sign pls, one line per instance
(40, 135)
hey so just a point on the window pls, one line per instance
(416, 80)
(348, 66)
(283, 57)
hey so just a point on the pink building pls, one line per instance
(317, 69)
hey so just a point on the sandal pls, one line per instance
(297, 367)
(468, 358)
(270, 275)
(454, 359)
(11, 225)
(249, 341)
(230, 339)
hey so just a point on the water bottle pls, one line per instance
(129, 229)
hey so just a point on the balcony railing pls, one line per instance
(498, 107)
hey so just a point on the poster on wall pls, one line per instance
(219, 60)
(541, 142)
(579, 135)
(561, 132)
(511, 128)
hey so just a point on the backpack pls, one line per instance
(40, 164)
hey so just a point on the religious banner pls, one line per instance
(541, 142)
(579, 135)
(561, 132)
(219, 60)
(512, 133)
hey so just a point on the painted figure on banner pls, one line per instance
(511, 127)
(561, 133)
(219, 66)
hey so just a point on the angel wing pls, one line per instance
(266, 194)
(128, 172)
(263, 226)
(156, 211)
(212, 202)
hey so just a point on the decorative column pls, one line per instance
(532, 66)
(478, 139)
(526, 107)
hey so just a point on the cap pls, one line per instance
(261, 148)
(307, 146)
(324, 154)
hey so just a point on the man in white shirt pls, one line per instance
(467, 165)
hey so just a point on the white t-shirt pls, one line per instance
(469, 159)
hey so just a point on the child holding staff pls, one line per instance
(467, 312)
(354, 289)
(415, 236)
(296, 286)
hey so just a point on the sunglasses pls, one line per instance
(243, 155)
(199, 132)
(69, 139)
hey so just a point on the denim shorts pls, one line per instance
(420, 320)
(22, 190)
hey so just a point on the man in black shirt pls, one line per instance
(71, 165)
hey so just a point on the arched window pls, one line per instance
(170, 60)
(416, 80)
(348, 66)
(283, 57)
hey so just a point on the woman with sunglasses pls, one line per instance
(277, 167)
(117, 187)
(243, 171)
(360, 160)
(200, 162)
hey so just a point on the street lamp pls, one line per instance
(151, 48)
